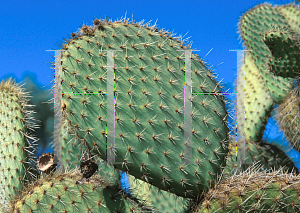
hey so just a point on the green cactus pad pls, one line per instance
(284, 46)
(254, 191)
(253, 25)
(69, 192)
(287, 117)
(254, 102)
(149, 105)
(16, 141)
(159, 200)
(268, 155)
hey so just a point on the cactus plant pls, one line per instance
(261, 73)
(149, 132)
(72, 155)
(150, 150)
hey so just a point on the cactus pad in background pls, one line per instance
(287, 117)
(254, 103)
(16, 141)
(253, 26)
(267, 155)
(291, 13)
(149, 133)
(69, 192)
(159, 200)
(254, 191)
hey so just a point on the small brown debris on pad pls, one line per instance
(88, 166)
(47, 163)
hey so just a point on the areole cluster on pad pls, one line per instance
(149, 78)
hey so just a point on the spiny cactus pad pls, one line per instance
(268, 155)
(254, 191)
(254, 102)
(69, 192)
(253, 25)
(149, 77)
(16, 141)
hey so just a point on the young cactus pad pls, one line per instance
(144, 130)
(16, 141)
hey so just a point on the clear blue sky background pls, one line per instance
(29, 27)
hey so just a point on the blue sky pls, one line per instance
(29, 28)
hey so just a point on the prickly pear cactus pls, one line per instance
(16, 141)
(69, 192)
(254, 191)
(149, 78)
